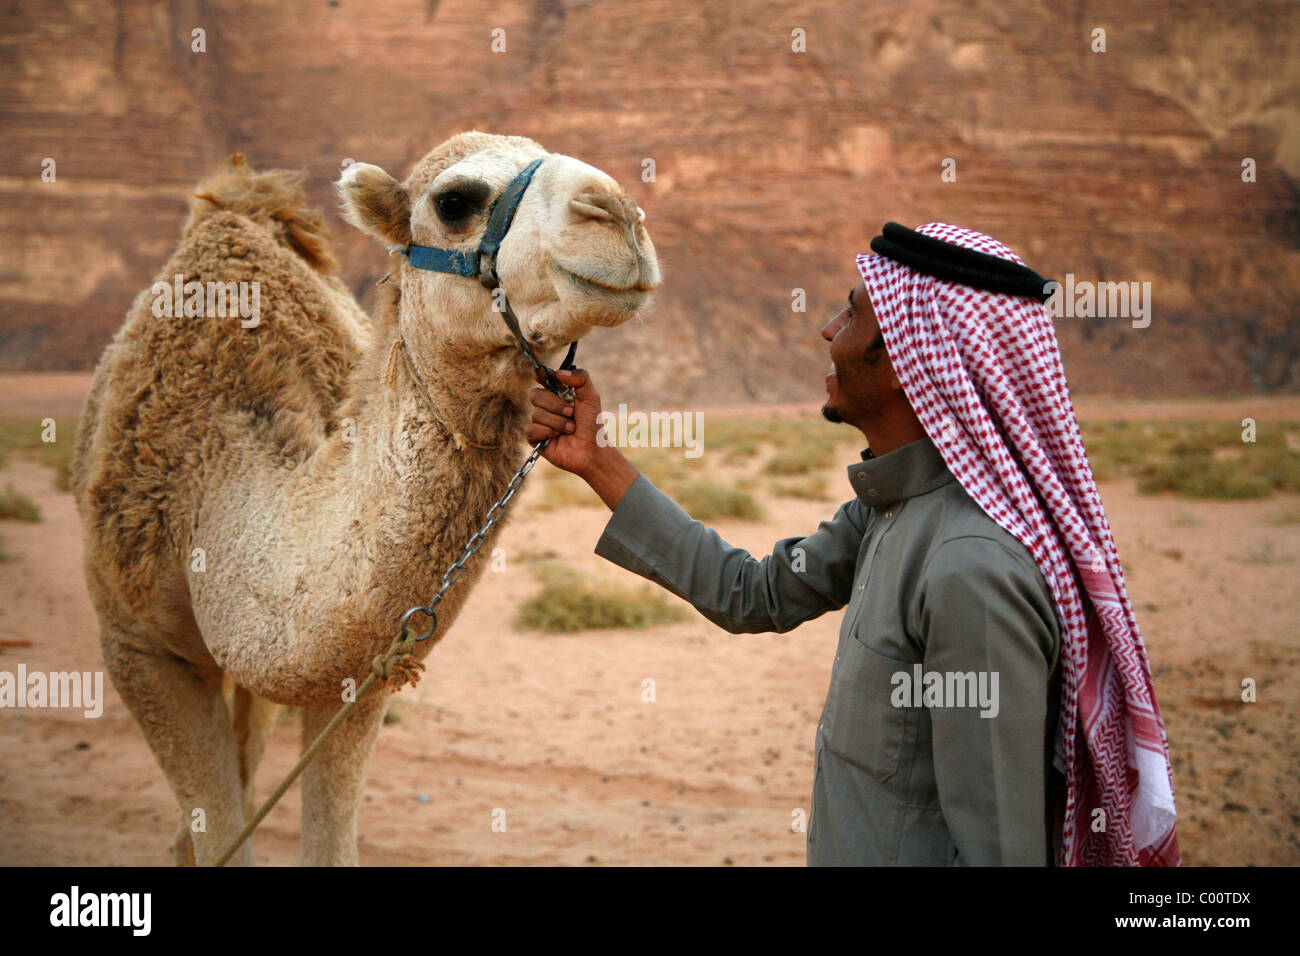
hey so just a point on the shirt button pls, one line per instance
(889, 514)
(862, 474)
(871, 492)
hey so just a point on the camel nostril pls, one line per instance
(589, 210)
(602, 204)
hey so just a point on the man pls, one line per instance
(990, 701)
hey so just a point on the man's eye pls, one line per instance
(452, 207)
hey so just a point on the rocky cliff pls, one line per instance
(781, 137)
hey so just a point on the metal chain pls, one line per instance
(494, 515)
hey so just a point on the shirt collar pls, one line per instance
(915, 469)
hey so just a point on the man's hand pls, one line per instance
(572, 428)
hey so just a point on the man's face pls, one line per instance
(861, 383)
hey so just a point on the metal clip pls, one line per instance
(487, 270)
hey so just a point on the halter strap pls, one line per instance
(503, 214)
(443, 260)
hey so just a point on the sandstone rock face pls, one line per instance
(771, 167)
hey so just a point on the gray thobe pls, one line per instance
(917, 761)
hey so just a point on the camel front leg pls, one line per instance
(180, 709)
(332, 782)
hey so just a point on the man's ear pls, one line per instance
(376, 203)
(894, 381)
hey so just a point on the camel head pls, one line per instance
(577, 254)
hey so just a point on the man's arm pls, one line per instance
(650, 535)
(983, 609)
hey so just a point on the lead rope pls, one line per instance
(396, 663)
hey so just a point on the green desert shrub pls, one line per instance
(706, 500)
(1195, 459)
(23, 437)
(569, 602)
(1202, 479)
(16, 506)
(800, 459)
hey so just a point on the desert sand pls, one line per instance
(553, 729)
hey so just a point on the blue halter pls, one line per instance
(482, 264)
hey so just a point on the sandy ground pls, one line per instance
(553, 729)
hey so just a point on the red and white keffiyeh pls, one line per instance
(983, 372)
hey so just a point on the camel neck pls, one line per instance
(423, 464)
(473, 418)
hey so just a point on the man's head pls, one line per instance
(862, 389)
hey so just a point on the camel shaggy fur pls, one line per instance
(261, 501)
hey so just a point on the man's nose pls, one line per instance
(833, 326)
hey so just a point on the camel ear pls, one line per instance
(376, 203)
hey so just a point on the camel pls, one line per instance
(262, 500)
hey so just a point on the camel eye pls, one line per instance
(453, 207)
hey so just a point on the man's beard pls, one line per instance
(832, 414)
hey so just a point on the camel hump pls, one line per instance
(274, 198)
